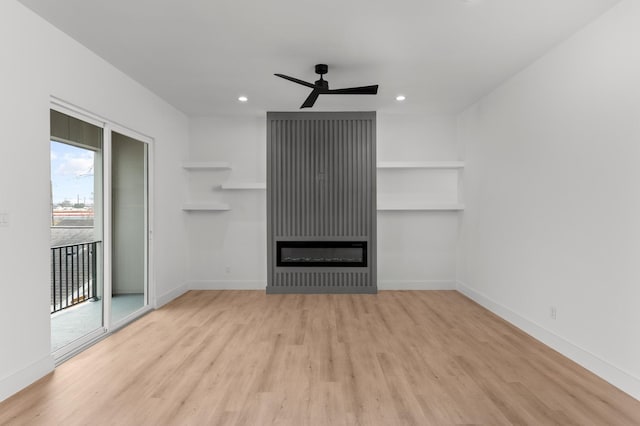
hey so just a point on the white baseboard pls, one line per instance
(228, 285)
(169, 296)
(617, 377)
(17, 381)
(416, 285)
(261, 285)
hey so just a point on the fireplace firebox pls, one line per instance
(322, 253)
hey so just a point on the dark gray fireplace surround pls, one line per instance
(321, 202)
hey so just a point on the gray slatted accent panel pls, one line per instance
(320, 280)
(321, 175)
(323, 185)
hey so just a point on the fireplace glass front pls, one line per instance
(322, 253)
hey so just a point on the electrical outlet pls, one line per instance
(227, 269)
(553, 312)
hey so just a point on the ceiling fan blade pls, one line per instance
(296, 80)
(364, 90)
(311, 99)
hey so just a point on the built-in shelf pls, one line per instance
(393, 202)
(421, 165)
(244, 185)
(420, 207)
(206, 165)
(205, 207)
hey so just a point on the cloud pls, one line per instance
(76, 165)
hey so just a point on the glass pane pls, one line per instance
(322, 254)
(76, 289)
(129, 226)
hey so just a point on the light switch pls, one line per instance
(4, 218)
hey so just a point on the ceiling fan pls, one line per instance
(321, 87)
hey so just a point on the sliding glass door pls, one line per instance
(99, 228)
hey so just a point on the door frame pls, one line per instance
(108, 127)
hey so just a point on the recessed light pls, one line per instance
(400, 98)
(243, 98)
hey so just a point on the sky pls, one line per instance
(71, 173)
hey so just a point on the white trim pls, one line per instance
(130, 133)
(76, 112)
(244, 185)
(206, 165)
(619, 378)
(205, 207)
(420, 165)
(19, 380)
(107, 230)
(74, 348)
(261, 285)
(228, 285)
(171, 295)
(405, 206)
(150, 212)
(417, 285)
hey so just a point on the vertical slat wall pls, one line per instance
(321, 186)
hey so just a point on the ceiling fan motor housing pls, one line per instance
(322, 84)
(321, 69)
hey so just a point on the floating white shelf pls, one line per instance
(420, 207)
(421, 165)
(205, 207)
(206, 165)
(244, 185)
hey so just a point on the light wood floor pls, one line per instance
(242, 357)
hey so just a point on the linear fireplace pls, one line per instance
(322, 253)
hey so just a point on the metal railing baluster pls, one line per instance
(73, 281)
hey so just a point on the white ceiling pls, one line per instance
(200, 55)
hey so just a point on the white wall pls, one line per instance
(417, 249)
(552, 188)
(38, 61)
(228, 249)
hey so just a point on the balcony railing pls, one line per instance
(73, 275)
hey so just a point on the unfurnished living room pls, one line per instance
(320, 213)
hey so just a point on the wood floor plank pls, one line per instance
(247, 358)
